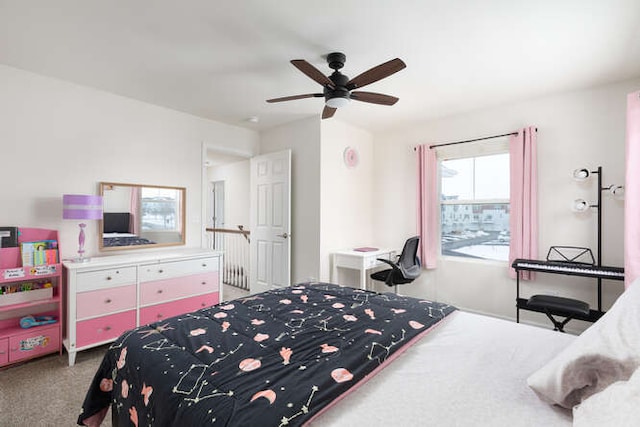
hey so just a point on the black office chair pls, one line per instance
(405, 270)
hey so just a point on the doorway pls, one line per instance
(227, 209)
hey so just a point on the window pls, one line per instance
(160, 208)
(474, 207)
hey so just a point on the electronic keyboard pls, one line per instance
(569, 268)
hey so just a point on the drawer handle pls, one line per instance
(107, 301)
(108, 277)
(159, 291)
(3, 352)
(160, 316)
(108, 328)
(161, 271)
(204, 265)
(203, 283)
(203, 304)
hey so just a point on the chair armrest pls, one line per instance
(395, 268)
(386, 261)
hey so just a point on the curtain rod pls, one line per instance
(472, 140)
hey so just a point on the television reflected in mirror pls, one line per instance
(139, 216)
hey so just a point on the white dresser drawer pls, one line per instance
(167, 270)
(108, 278)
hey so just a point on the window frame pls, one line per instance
(455, 153)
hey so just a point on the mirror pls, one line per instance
(141, 216)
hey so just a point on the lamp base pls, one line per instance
(80, 260)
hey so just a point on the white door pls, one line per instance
(270, 224)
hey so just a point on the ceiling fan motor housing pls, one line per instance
(340, 91)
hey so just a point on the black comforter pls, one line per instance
(270, 359)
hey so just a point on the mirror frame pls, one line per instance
(183, 190)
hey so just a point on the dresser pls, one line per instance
(109, 295)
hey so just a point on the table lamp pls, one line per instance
(81, 207)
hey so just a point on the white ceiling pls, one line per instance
(221, 59)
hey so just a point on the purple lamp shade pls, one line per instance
(80, 206)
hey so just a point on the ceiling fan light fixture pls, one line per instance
(337, 102)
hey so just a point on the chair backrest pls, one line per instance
(409, 263)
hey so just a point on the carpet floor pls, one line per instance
(47, 392)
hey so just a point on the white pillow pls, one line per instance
(607, 352)
(617, 405)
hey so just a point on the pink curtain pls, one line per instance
(134, 224)
(524, 198)
(428, 206)
(632, 191)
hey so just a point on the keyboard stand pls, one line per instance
(597, 272)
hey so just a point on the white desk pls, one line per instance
(362, 261)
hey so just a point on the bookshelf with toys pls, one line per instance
(30, 294)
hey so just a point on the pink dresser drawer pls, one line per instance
(179, 287)
(34, 343)
(104, 328)
(159, 312)
(96, 303)
(4, 351)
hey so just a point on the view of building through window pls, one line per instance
(159, 208)
(474, 207)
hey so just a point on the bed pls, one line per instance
(322, 364)
(116, 231)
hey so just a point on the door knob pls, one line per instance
(284, 235)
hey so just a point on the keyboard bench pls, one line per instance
(559, 306)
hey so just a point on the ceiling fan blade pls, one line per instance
(291, 98)
(328, 112)
(374, 98)
(312, 72)
(376, 73)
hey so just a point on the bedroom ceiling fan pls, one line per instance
(339, 89)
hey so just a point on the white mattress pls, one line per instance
(469, 371)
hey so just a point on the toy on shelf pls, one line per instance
(31, 321)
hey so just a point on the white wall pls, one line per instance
(236, 192)
(331, 204)
(577, 129)
(57, 137)
(303, 138)
(346, 195)
(119, 199)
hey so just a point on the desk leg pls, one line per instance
(363, 279)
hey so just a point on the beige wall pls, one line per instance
(577, 129)
(236, 192)
(346, 194)
(57, 138)
(303, 138)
